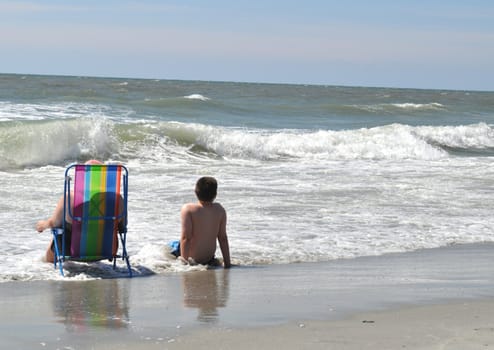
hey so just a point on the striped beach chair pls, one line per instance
(98, 213)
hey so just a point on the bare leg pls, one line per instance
(49, 256)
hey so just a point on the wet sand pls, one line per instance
(429, 299)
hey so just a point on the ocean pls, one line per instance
(306, 173)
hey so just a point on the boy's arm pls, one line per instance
(186, 232)
(223, 241)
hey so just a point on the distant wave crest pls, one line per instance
(414, 106)
(392, 108)
(197, 97)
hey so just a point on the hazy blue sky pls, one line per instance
(415, 43)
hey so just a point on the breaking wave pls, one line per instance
(38, 143)
(393, 141)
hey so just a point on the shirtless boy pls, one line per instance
(203, 223)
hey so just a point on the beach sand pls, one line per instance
(460, 326)
(429, 299)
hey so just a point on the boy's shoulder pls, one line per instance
(190, 207)
(218, 206)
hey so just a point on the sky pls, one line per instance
(389, 43)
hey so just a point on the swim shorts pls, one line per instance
(175, 250)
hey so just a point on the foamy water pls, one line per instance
(301, 180)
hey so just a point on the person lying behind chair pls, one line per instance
(56, 221)
(203, 223)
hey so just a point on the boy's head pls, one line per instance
(206, 189)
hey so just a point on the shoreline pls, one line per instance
(321, 305)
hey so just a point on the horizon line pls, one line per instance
(244, 82)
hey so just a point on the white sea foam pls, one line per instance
(433, 105)
(403, 107)
(476, 136)
(55, 111)
(52, 142)
(197, 97)
(388, 142)
(278, 213)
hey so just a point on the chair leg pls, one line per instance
(124, 254)
(128, 264)
(57, 256)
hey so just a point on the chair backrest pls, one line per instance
(100, 202)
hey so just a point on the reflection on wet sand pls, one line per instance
(90, 304)
(206, 291)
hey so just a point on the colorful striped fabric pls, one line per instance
(96, 209)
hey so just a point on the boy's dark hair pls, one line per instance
(206, 189)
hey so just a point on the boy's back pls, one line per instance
(203, 223)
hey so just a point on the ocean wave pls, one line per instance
(181, 102)
(395, 141)
(476, 137)
(389, 142)
(37, 143)
(393, 108)
(415, 106)
(29, 144)
(197, 97)
(55, 111)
